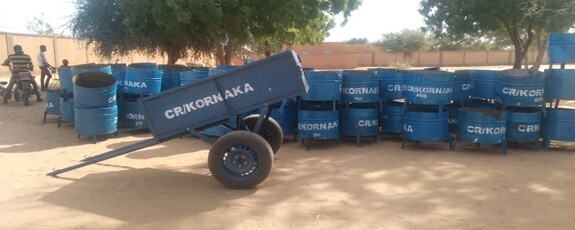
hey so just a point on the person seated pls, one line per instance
(18, 63)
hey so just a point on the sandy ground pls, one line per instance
(376, 186)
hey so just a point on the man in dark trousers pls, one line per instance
(44, 68)
(19, 63)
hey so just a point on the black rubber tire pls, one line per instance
(26, 96)
(17, 95)
(244, 142)
(271, 131)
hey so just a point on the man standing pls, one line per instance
(19, 62)
(44, 71)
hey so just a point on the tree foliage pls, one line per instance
(357, 41)
(472, 43)
(457, 19)
(223, 27)
(407, 42)
(38, 26)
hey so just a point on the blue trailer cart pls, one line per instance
(242, 158)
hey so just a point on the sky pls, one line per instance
(371, 20)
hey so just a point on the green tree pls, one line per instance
(223, 27)
(472, 43)
(554, 16)
(101, 24)
(357, 41)
(406, 42)
(38, 26)
(455, 18)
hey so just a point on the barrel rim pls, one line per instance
(94, 80)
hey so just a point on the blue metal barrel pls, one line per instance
(462, 85)
(103, 68)
(484, 83)
(323, 86)
(481, 104)
(380, 71)
(392, 84)
(220, 69)
(520, 88)
(66, 109)
(561, 48)
(359, 122)
(559, 84)
(523, 124)
(220, 130)
(318, 125)
(119, 72)
(143, 79)
(482, 125)
(53, 102)
(392, 117)
(286, 116)
(429, 87)
(171, 75)
(132, 115)
(94, 90)
(96, 121)
(452, 110)
(65, 76)
(559, 125)
(359, 87)
(425, 124)
(78, 69)
(194, 75)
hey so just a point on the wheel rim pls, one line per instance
(240, 162)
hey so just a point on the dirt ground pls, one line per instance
(376, 186)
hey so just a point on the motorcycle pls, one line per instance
(23, 88)
(3, 88)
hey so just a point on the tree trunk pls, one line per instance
(518, 49)
(541, 48)
(267, 51)
(521, 47)
(220, 59)
(173, 56)
(230, 51)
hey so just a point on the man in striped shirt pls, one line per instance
(19, 62)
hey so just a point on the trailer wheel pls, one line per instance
(271, 131)
(240, 160)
